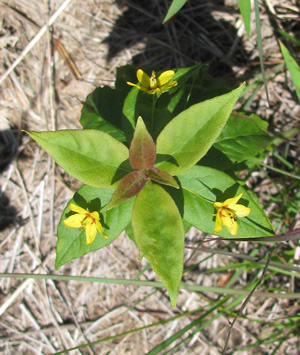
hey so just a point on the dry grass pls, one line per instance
(57, 66)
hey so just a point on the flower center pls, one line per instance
(89, 219)
(227, 212)
(153, 82)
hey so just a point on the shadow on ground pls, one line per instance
(192, 36)
(8, 150)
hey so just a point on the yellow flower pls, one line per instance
(228, 212)
(87, 220)
(151, 85)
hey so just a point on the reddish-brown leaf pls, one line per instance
(129, 186)
(162, 177)
(142, 152)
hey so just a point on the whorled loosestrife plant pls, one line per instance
(155, 165)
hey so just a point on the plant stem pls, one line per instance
(154, 100)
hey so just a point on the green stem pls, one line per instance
(195, 288)
(154, 100)
(280, 171)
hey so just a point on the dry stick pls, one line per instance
(35, 40)
(68, 60)
(247, 300)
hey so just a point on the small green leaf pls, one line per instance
(174, 8)
(91, 156)
(142, 152)
(162, 177)
(71, 243)
(159, 233)
(187, 138)
(243, 137)
(292, 66)
(202, 186)
(129, 186)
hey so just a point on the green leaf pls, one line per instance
(162, 177)
(290, 37)
(159, 233)
(214, 158)
(183, 74)
(130, 113)
(91, 156)
(174, 8)
(202, 186)
(129, 186)
(71, 243)
(102, 110)
(292, 66)
(187, 138)
(124, 74)
(245, 9)
(142, 152)
(243, 137)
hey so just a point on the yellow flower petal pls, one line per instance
(99, 229)
(90, 233)
(143, 78)
(218, 205)
(95, 215)
(165, 77)
(151, 85)
(229, 221)
(227, 213)
(78, 209)
(241, 211)
(230, 202)
(74, 221)
(133, 84)
(168, 85)
(218, 226)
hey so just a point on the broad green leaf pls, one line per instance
(91, 156)
(174, 8)
(102, 110)
(162, 177)
(216, 159)
(202, 186)
(243, 137)
(71, 243)
(187, 138)
(129, 186)
(245, 9)
(158, 232)
(142, 151)
(292, 66)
